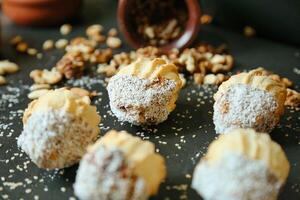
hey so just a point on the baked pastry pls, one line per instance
(57, 128)
(249, 100)
(145, 91)
(120, 167)
(242, 165)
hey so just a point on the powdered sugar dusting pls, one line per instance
(55, 138)
(235, 177)
(140, 101)
(245, 107)
(104, 174)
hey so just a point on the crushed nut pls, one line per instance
(93, 30)
(206, 19)
(45, 76)
(2, 80)
(113, 42)
(198, 78)
(101, 56)
(7, 67)
(48, 44)
(32, 51)
(249, 31)
(108, 70)
(39, 87)
(65, 29)
(71, 65)
(292, 98)
(37, 93)
(113, 32)
(61, 43)
(22, 47)
(16, 40)
(210, 79)
(80, 45)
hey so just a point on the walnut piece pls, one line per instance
(71, 65)
(7, 67)
(113, 42)
(2, 80)
(45, 76)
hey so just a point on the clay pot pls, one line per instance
(186, 38)
(40, 12)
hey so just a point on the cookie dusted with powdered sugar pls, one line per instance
(241, 165)
(249, 100)
(57, 129)
(120, 167)
(144, 92)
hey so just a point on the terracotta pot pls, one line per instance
(40, 12)
(186, 38)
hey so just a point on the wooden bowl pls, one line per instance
(40, 12)
(135, 40)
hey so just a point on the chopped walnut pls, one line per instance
(71, 65)
(45, 76)
(66, 29)
(39, 87)
(16, 40)
(101, 56)
(61, 43)
(113, 42)
(292, 98)
(81, 45)
(108, 70)
(206, 19)
(48, 44)
(7, 67)
(112, 32)
(149, 52)
(22, 47)
(212, 79)
(32, 51)
(198, 78)
(93, 30)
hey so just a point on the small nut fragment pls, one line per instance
(249, 31)
(71, 65)
(198, 78)
(2, 80)
(61, 43)
(108, 70)
(93, 30)
(65, 29)
(292, 98)
(45, 76)
(113, 42)
(16, 40)
(7, 67)
(37, 93)
(206, 19)
(210, 79)
(113, 32)
(22, 47)
(48, 44)
(32, 51)
(101, 56)
(39, 87)
(80, 92)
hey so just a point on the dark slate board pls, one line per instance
(182, 139)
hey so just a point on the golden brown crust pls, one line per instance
(152, 69)
(253, 145)
(67, 100)
(140, 155)
(257, 79)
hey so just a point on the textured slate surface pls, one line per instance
(182, 139)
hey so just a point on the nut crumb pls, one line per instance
(2, 80)
(22, 47)
(39, 87)
(113, 32)
(48, 45)
(61, 43)
(7, 67)
(113, 42)
(65, 29)
(45, 76)
(292, 98)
